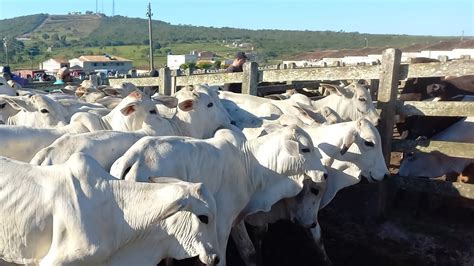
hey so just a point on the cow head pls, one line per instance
(201, 111)
(35, 111)
(194, 228)
(362, 146)
(131, 112)
(352, 102)
(290, 151)
(5, 88)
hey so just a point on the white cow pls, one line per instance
(350, 103)
(436, 164)
(203, 115)
(267, 108)
(77, 214)
(133, 113)
(34, 111)
(5, 88)
(230, 167)
(349, 150)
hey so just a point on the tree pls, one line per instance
(156, 45)
(55, 37)
(45, 36)
(216, 64)
(204, 65)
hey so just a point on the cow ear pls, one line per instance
(292, 147)
(338, 180)
(20, 104)
(164, 180)
(280, 188)
(168, 101)
(304, 112)
(347, 142)
(331, 88)
(129, 109)
(186, 106)
(112, 91)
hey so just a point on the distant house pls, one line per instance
(204, 55)
(175, 61)
(91, 63)
(52, 65)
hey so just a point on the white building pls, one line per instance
(175, 61)
(52, 65)
(91, 63)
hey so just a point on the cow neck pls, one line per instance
(180, 127)
(334, 102)
(260, 173)
(129, 195)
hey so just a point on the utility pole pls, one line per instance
(96, 6)
(5, 45)
(150, 36)
(366, 42)
(113, 8)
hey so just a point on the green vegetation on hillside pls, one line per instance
(73, 35)
(20, 25)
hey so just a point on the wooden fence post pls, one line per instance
(174, 74)
(387, 96)
(250, 78)
(165, 81)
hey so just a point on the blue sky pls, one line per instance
(413, 17)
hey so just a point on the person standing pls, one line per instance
(63, 76)
(236, 66)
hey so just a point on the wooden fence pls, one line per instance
(389, 73)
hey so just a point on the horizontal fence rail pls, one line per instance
(411, 108)
(454, 149)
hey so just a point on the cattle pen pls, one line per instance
(385, 78)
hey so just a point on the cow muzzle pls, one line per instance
(209, 259)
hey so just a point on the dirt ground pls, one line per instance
(420, 230)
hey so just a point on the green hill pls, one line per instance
(72, 35)
(20, 25)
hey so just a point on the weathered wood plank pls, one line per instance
(165, 81)
(387, 96)
(211, 79)
(453, 149)
(144, 81)
(250, 78)
(326, 73)
(454, 189)
(437, 69)
(411, 108)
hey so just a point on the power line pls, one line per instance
(150, 37)
(5, 45)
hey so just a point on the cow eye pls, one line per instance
(44, 111)
(314, 191)
(369, 143)
(153, 112)
(1, 84)
(3, 105)
(204, 219)
(210, 105)
(305, 150)
(362, 99)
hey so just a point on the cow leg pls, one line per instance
(316, 234)
(259, 232)
(244, 244)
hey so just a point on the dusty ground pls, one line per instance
(418, 231)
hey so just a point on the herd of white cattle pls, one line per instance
(114, 176)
